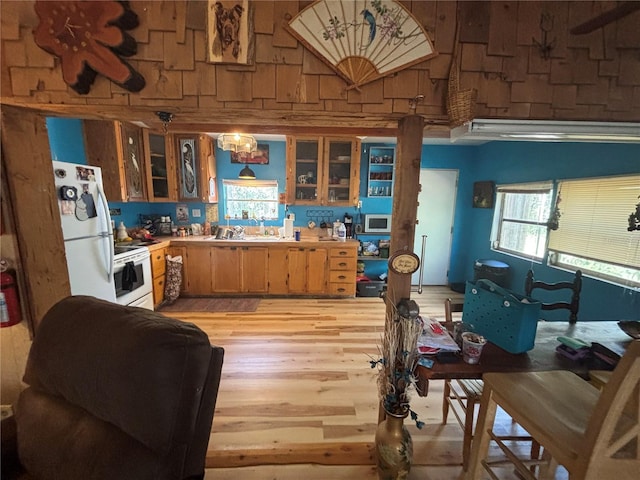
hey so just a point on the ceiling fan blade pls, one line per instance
(605, 18)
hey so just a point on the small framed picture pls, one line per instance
(483, 193)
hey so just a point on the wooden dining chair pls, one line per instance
(575, 286)
(588, 431)
(463, 396)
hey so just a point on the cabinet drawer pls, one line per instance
(158, 290)
(158, 262)
(342, 289)
(337, 263)
(343, 252)
(341, 276)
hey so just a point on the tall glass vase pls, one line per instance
(394, 448)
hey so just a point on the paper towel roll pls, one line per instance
(288, 228)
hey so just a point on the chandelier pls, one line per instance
(237, 142)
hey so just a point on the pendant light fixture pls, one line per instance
(247, 174)
(239, 143)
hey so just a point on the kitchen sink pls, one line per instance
(260, 238)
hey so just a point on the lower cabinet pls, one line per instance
(270, 270)
(307, 270)
(158, 271)
(239, 269)
(342, 271)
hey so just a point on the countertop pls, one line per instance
(255, 240)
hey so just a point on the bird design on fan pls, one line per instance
(371, 20)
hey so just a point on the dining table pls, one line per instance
(542, 357)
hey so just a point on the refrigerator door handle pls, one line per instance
(107, 216)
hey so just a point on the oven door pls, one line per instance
(132, 276)
(128, 278)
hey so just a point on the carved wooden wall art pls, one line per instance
(362, 40)
(230, 32)
(89, 38)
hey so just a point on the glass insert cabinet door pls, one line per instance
(306, 169)
(188, 167)
(133, 164)
(323, 170)
(342, 160)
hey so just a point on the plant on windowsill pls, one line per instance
(398, 359)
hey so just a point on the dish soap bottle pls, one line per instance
(122, 232)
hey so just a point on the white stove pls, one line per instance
(132, 276)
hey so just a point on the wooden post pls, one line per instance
(405, 208)
(28, 172)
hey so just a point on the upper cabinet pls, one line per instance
(323, 170)
(160, 156)
(196, 168)
(117, 148)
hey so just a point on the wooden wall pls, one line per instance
(587, 77)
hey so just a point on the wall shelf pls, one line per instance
(381, 172)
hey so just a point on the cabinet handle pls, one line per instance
(158, 257)
(342, 277)
(342, 264)
(342, 252)
(341, 289)
(233, 248)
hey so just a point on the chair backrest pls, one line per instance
(121, 392)
(611, 448)
(451, 307)
(575, 286)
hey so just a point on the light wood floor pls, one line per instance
(298, 398)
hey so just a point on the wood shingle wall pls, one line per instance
(586, 77)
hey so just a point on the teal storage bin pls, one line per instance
(504, 318)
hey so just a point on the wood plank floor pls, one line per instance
(298, 397)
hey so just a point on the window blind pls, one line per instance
(250, 183)
(525, 187)
(594, 220)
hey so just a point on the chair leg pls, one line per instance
(548, 469)
(468, 432)
(480, 445)
(445, 401)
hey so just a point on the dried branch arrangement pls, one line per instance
(399, 357)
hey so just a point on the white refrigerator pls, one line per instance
(86, 228)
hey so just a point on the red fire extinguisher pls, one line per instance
(9, 302)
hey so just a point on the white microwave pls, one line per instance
(376, 223)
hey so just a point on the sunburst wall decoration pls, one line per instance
(362, 40)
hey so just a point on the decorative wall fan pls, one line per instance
(620, 11)
(362, 40)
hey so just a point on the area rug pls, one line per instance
(212, 305)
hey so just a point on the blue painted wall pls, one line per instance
(515, 162)
(501, 162)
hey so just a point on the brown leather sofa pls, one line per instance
(116, 393)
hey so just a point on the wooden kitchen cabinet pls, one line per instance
(277, 271)
(158, 271)
(255, 265)
(342, 271)
(226, 269)
(240, 269)
(117, 148)
(160, 167)
(195, 168)
(198, 271)
(307, 270)
(323, 170)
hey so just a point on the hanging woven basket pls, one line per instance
(461, 104)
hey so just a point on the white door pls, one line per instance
(436, 208)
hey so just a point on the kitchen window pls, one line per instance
(520, 219)
(256, 198)
(593, 231)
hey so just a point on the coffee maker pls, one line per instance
(348, 225)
